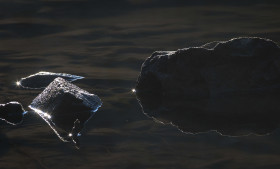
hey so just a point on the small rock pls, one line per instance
(66, 108)
(43, 79)
(12, 112)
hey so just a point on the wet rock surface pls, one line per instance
(231, 86)
(235, 67)
(66, 108)
(12, 112)
(43, 79)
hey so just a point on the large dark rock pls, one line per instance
(237, 66)
(66, 108)
(12, 112)
(231, 86)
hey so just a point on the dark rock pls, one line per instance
(226, 86)
(66, 108)
(12, 113)
(43, 79)
(238, 66)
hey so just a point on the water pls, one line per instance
(106, 42)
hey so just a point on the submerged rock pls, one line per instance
(43, 79)
(12, 112)
(66, 108)
(217, 69)
(230, 86)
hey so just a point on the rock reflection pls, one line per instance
(66, 108)
(228, 116)
(12, 112)
(43, 79)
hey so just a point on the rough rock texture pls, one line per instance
(12, 112)
(62, 104)
(237, 66)
(231, 86)
(43, 79)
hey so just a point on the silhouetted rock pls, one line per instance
(231, 86)
(238, 66)
(11, 112)
(43, 79)
(66, 108)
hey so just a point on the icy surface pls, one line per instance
(43, 79)
(61, 104)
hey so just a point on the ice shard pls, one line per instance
(43, 79)
(66, 108)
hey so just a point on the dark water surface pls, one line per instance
(106, 42)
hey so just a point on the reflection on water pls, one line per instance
(17, 83)
(106, 42)
(133, 90)
(232, 116)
